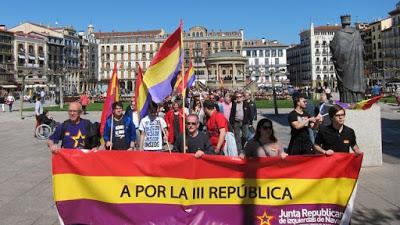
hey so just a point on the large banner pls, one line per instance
(125, 187)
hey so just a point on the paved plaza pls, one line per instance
(26, 184)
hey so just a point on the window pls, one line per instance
(267, 53)
(248, 53)
(280, 53)
(254, 53)
(256, 62)
(143, 48)
(266, 61)
(273, 53)
(276, 61)
(121, 48)
(261, 53)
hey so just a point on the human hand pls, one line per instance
(329, 152)
(242, 155)
(199, 154)
(283, 155)
(54, 149)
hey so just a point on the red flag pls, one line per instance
(112, 96)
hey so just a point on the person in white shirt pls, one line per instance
(152, 128)
(38, 111)
(10, 101)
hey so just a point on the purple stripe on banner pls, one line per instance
(99, 213)
(161, 90)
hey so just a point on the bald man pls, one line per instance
(72, 132)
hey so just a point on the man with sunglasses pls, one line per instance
(336, 137)
(196, 141)
(73, 133)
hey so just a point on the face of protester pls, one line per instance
(266, 130)
(247, 96)
(175, 107)
(212, 97)
(117, 112)
(302, 103)
(192, 124)
(339, 117)
(207, 111)
(239, 98)
(133, 104)
(228, 100)
(74, 111)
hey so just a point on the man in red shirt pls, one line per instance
(84, 100)
(217, 126)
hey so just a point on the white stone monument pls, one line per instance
(368, 129)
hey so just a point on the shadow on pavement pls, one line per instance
(375, 216)
(390, 137)
(282, 119)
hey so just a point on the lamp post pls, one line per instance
(21, 97)
(272, 73)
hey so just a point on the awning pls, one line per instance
(21, 56)
(35, 85)
(8, 86)
(32, 57)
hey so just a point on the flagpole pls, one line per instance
(183, 90)
(111, 130)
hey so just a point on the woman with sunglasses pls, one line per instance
(264, 143)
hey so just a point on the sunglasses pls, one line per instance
(190, 123)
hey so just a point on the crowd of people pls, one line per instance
(218, 122)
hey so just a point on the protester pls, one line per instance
(42, 96)
(122, 128)
(38, 111)
(300, 121)
(131, 111)
(240, 118)
(264, 143)
(2, 102)
(217, 126)
(196, 141)
(336, 137)
(152, 128)
(10, 101)
(174, 120)
(73, 133)
(84, 100)
(253, 115)
(197, 108)
(45, 118)
(227, 106)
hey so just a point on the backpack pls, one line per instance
(92, 137)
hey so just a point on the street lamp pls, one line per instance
(272, 73)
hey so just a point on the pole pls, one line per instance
(274, 93)
(183, 93)
(111, 130)
(21, 97)
(61, 93)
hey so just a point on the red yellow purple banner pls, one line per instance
(114, 187)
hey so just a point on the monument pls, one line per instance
(347, 55)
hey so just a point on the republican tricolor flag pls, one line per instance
(184, 83)
(165, 67)
(112, 96)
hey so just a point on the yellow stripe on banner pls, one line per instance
(158, 72)
(203, 191)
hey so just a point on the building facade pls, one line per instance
(30, 58)
(88, 60)
(6, 58)
(365, 33)
(313, 58)
(266, 60)
(391, 47)
(199, 43)
(128, 49)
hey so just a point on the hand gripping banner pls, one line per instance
(125, 187)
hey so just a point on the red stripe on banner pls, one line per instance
(177, 165)
(170, 44)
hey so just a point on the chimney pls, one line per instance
(3, 27)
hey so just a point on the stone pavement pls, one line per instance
(26, 188)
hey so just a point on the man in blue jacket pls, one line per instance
(122, 128)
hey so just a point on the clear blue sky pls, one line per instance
(276, 20)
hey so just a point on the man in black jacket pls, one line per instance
(240, 119)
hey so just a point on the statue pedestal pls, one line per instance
(368, 129)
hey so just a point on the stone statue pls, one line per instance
(347, 55)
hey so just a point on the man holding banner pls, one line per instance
(121, 128)
(152, 129)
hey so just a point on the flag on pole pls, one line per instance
(185, 81)
(112, 96)
(165, 67)
(142, 94)
(366, 104)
